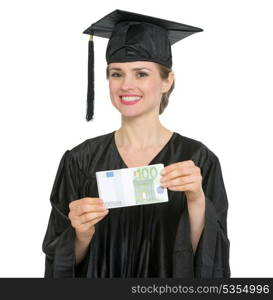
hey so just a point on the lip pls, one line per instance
(130, 95)
(131, 102)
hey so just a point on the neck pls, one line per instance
(141, 133)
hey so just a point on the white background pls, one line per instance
(222, 98)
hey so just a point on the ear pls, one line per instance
(167, 83)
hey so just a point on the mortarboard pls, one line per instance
(133, 37)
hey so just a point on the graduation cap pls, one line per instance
(133, 37)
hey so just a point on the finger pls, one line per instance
(181, 188)
(169, 168)
(88, 225)
(73, 204)
(95, 221)
(90, 216)
(180, 181)
(85, 208)
(77, 221)
(87, 200)
(178, 172)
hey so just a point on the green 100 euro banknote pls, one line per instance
(131, 186)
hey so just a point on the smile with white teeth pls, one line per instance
(130, 98)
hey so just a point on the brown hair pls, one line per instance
(164, 73)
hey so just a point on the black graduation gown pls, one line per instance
(139, 241)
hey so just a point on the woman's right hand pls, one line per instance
(84, 214)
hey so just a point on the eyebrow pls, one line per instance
(134, 69)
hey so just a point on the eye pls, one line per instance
(114, 75)
(143, 74)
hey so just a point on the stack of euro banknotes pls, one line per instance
(131, 186)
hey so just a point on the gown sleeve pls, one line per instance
(58, 243)
(211, 258)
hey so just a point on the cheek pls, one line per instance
(113, 87)
(152, 83)
(152, 87)
(114, 90)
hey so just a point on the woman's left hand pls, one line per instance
(184, 176)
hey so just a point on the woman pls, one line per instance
(185, 237)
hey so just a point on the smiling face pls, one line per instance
(136, 87)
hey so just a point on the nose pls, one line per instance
(127, 83)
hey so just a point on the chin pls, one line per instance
(130, 115)
(135, 114)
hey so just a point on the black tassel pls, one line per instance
(90, 88)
